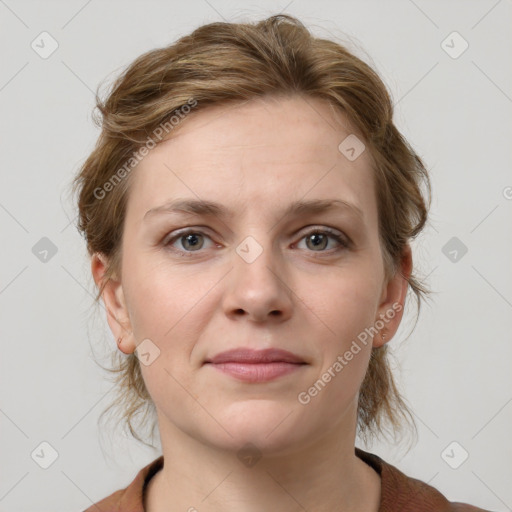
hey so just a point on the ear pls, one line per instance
(392, 301)
(115, 304)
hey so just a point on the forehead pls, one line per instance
(264, 151)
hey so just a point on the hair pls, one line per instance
(222, 63)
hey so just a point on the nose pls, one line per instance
(258, 287)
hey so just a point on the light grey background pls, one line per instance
(456, 112)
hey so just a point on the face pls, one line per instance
(253, 271)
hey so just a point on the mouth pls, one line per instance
(251, 356)
(250, 365)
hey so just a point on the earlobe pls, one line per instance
(115, 304)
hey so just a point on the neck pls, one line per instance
(325, 476)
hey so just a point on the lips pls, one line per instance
(256, 366)
(251, 356)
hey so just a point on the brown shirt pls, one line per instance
(399, 493)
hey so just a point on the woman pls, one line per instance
(248, 210)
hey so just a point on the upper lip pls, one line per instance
(247, 355)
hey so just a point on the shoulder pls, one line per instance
(131, 498)
(109, 504)
(402, 493)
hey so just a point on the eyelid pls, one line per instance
(341, 238)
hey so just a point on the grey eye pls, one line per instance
(192, 241)
(318, 240)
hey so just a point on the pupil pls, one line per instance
(317, 239)
(191, 238)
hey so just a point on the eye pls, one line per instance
(188, 241)
(318, 239)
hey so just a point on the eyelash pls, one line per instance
(345, 244)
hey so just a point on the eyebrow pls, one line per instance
(209, 208)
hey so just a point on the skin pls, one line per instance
(255, 158)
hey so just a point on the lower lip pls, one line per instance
(257, 372)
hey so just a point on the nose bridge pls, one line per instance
(256, 262)
(254, 226)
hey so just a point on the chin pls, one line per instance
(269, 425)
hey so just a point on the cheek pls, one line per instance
(158, 298)
(172, 309)
(346, 304)
(347, 310)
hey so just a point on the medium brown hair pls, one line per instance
(220, 63)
